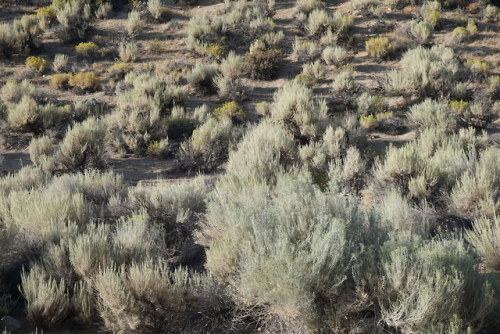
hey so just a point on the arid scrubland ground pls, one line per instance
(249, 166)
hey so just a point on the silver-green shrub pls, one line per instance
(47, 301)
(295, 108)
(424, 72)
(485, 237)
(144, 106)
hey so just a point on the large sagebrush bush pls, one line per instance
(13, 91)
(24, 115)
(21, 36)
(148, 297)
(25, 179)
(485, 236)
(437, 164)
(172, 206)
(201, 78)
(297, 110)
(144, 107)
(432, 114)
(208, 146)
(424, 72)
(82, 146)
(433, 286)
(47, 301)
(73, 21)
(43, 216)
(475, 194)
(311, 260)
(263, 61)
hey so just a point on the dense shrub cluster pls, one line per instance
(148, 107)
(113, 271)
(311, 259)
(20, 36)
(461, 166)
(24, 113)
(307, 222)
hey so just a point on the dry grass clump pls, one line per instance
(230, 110)
(86, 81)
(461, 34)
(118, 71)
(335, 55)
(60, 80)
(156, 9)
(491, 13)
(46, 299)
(307, 6)
(104, 10)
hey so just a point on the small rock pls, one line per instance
(9, 324)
